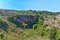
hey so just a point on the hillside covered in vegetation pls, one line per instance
(29, 25)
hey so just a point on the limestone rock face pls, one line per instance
(29, 20)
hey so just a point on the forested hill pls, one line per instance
(12, 12)
(29, 25)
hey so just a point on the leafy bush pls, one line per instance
(2, 35)
(52, 33)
